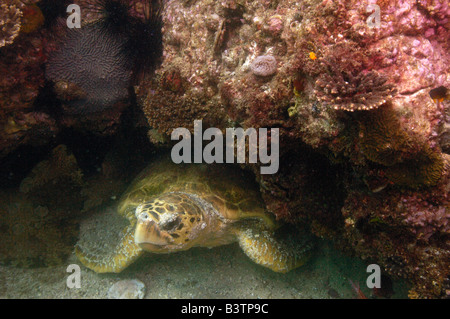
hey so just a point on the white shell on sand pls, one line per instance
(127, 289)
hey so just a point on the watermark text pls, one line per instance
(235, 139)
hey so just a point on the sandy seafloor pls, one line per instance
(221, 272)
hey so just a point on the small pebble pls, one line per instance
(127, 289)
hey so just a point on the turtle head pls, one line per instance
(169, 222)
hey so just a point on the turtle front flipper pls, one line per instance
(279, 251)
(124, 254)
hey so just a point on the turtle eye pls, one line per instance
(171, 224)
(143, 216)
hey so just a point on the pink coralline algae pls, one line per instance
(427, 220)
(275, 24)
(264, 65)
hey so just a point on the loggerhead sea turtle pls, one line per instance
(173, 207)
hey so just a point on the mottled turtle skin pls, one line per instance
(174, 207)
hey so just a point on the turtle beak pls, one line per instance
(147, 235)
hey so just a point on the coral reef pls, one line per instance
(410, 162)
(20, 84)
(405, 231)
(33, 18)
(33, 111)
(55, 183)
(166, 107)
(354, 93)
(424, 170)
(444, 141)
(54, 11)
(346, 80)
(61, 167)
(32, 128)
(31, 236)
(306, 187)
(363, 145)
(10, 21)
(264, 65)
(382, 138)
(39, 221)
(319, 125)
(92, 60)
(443, 132)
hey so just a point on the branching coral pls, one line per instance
(345, 76)
(10, 21)
(351, 91)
